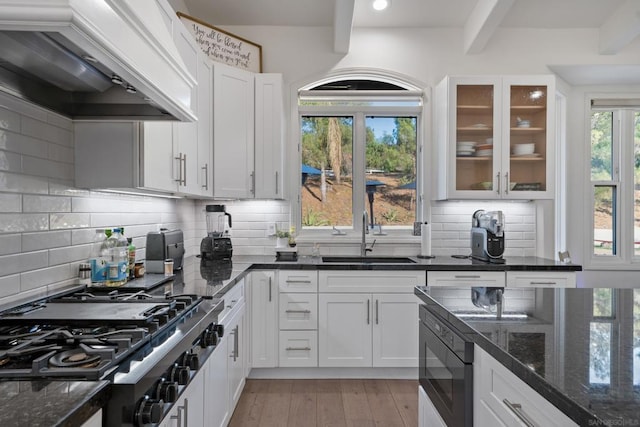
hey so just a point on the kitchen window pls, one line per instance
(360, 151)
(615, 181)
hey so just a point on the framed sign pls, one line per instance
(224, 47)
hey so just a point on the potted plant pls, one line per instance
(282, 238)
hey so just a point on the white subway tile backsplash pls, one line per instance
(9, 285)
(18, 183)
(46, 276)
(46, 131)
(21, 262)
(21, 144)
(10, 244)
(10, 203)
(9, 119)
(10, 162)
(18, 223)
(60, 153)
(46, 204)
(45, 240)
(59, 221)
(69, 254)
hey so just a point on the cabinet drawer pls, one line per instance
(541, 279)
(466, 278)
(392, 281)
(497, 388)
(298, 311)
(298, 349)
(233, 298)
(298, 281)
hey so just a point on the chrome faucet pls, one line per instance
(365, 229)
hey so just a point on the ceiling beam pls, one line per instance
(342, 24)
(483, 22)
(620, 28)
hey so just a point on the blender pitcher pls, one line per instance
(216, 220)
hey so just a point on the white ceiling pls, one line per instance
(402, 13)
(618, 21)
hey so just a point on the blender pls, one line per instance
(217, 244)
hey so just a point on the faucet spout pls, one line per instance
(363, 242)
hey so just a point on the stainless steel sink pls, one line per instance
(367, 260)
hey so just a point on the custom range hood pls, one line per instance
(94, 59)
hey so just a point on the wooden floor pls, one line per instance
(324, 403)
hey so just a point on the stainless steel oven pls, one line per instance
(446, 368)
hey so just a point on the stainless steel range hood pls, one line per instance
(94, 59)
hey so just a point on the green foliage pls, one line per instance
(391, 215)
(601, 145)
(314, 219)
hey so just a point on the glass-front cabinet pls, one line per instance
(496, 136)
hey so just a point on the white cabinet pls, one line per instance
(428, 415)
(248, 134)
(216, 387)
(236, 362)
(298, 318)
(233, 132)
(483, 124)
(269, 138)
(500, 398)
(461, 278)
(188, 410)
(204, 169)
(358, 328)
(264, 319)
(541, 279)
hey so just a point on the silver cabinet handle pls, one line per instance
(186, 412)
(499, 182)
(516, 408)
(184, 170)
(178, 416)
(368, 311)
(269, 288)
(377, 312)
(179, 159)
(253, 182)
(206, 176)
(473, 276)
(233, 302)
(234, 353)
(506, 183)
(297, 281)
(298, 348)
(277, 182)
(298, 311)
(543, 283)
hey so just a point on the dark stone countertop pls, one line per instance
(211, 278)
(50, 403)
(582, 356)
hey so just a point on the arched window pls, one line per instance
(360, 155)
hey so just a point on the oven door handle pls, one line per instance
(517, 410)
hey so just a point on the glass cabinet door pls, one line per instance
(527, 139)
(474, 137)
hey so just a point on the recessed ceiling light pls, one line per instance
(381, 4)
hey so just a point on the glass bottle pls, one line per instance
(100, 257)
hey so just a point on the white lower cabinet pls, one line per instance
(541, 279)
(264, 319)
(216, 387)
(298, 349)
(236, 361)
(188, 410)
(465, 278)
(500, 398)
(428, 415)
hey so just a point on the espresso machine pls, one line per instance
(487, 236)
(217, 244)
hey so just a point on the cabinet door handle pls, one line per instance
(234, 352)
(499, 182)
(298, 311)
(368, 311)
(206, 176)
(186, 412)
(298, 348)
(543, 283)
(516, 408)
(179, 159)
(269, 288)
(506, 183)
(184, 170)
(377, 312)
(277, 182)
(253, 183)
(297, 281)
(178, 416)
(473, 276)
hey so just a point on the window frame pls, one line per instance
(622, 180)
(359, 114)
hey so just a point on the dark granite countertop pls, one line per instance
(578, 348)
(50, 403)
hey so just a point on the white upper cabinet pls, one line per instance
(233, 132)
(248, 134)
(496, 136)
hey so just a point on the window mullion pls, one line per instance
(359, 140)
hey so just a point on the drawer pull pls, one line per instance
(473, 276)
(297, 281)
(298, 311)
(516, 408)
(543, 283)
(298, 348)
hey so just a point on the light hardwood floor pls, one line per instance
(324, 403)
